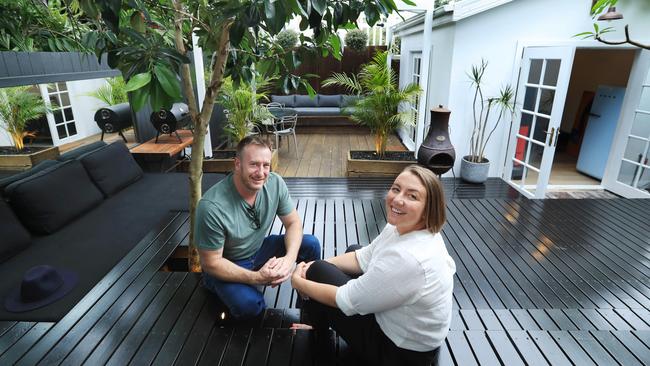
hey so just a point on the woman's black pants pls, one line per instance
(360, 332)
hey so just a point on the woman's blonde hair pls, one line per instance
(434, 208)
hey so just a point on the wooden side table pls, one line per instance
(163, 153)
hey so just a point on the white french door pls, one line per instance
(628, 167)
(541, 93)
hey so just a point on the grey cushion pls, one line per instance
(4, 182)
(48, 200)
(286, 100)
(318, 111)
(306, 101)
(76, 153)
(329, 100)
(111, 167)
(14, 236)
(348, 100)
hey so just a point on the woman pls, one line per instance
(391, 300)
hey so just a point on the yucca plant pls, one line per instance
(17, 107)
(113, 92)
(482, 107)
(244, 111)
(380, 98)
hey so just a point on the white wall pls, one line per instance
(441, 62)
(84, 106)
(495, 34)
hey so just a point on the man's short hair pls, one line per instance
(251, 140)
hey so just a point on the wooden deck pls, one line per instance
(556, 282)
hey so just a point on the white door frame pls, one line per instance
(518, 57)
(639, 71)
(554, 118)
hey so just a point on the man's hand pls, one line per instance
(268, 273)
(283, 267)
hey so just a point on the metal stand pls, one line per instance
(180, 141)
(119, 132)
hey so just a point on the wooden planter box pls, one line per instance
(26, 161)
(375, 168)
(225, 165)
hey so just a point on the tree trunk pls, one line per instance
(193, 255)
(200, 121)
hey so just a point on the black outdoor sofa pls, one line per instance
(83, 213)
(321, 110)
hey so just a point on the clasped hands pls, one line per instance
(276, 270)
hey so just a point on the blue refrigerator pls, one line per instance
(599, 132)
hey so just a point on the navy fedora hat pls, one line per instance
(41, 285)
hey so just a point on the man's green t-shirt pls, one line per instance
(224, 219)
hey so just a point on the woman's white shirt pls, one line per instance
(407, 282)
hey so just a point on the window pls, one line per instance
(61, 109)
(415, 78)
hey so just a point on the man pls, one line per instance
(232, 220)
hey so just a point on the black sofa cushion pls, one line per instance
(329, 100)
(4, 182)
(286, 100)
(82, 150)
(14, 236)
(306, 101)
(111, 167)
(99, 239)
(48, 200)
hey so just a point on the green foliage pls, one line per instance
(356, 39)
(17, 107)
(287, 39)
(481, 108)
(113, 92)
(28, 25)
(380, 98)
(244, 113)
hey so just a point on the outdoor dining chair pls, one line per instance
(285, 126)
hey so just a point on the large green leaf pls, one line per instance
(138, 81)
(168, 81)
(319, 5)
(335, 41)
(139, 98)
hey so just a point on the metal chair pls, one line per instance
(274, 105)
(284, 127)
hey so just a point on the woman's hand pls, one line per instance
(298, 277)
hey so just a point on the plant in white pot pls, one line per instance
(475, 166)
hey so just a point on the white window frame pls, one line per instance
(57, 93)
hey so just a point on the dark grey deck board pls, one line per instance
(635, 346)
(460, 349)
(615, 348)
(529, 289)
(166, 338)
(551, 351)
(571, 348)
(597, 353)
(527, 348)
(504, 348)
(552, 274)
(172, 297)
(24, 343)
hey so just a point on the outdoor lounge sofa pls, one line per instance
(83, 213)
(321, 110)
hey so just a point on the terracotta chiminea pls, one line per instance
(436, 152)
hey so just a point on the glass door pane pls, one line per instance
(540, 102)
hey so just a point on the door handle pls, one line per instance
(552, 133)
(557, 136)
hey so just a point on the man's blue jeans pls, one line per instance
(245, 301)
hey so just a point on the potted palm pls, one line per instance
(244, 116)
(17, 107)
(378, 108)
(475, 166)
